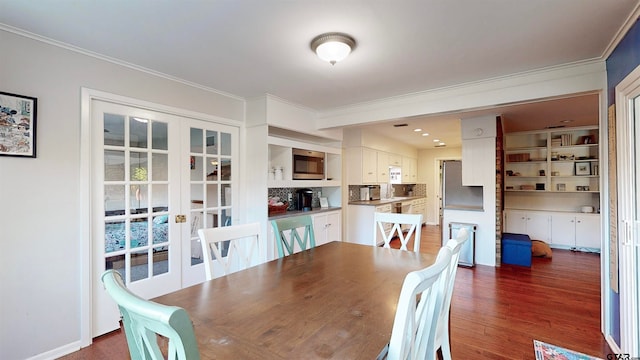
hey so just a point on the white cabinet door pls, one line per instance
(538, 227)
(326, 227)
(395, 160)
(409, 170)
(334, 228)
(588, 231)
(382, 170)
(534, 224)
(369, 166)
(563, 230)
(515, 222)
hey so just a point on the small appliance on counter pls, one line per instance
(369, 193)
(364, 193)
(374, 192)
(304, 198)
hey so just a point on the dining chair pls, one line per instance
(291, 225)
(396, 220)
(143, 320)
(421, 298)
(442, 330)
(230, 248)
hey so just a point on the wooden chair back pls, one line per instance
(419, 305)
(413, 223)
(442, 332)
(143, 320)
(291, 225)
(230, 248)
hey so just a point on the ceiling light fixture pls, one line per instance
(425, 134)
(333, 47)
(436, 140)
(417, 130)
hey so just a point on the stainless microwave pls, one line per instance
(308, 165)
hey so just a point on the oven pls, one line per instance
(308, 164)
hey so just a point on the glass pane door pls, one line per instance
(135, 193)
(212, 187)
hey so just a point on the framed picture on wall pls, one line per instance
(583, 168)
(17, 125)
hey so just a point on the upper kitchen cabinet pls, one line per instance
(362, 165)
(409, 170)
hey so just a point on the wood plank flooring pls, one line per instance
(496, 313)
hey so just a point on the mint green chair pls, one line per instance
(143, 319)
(292, 224)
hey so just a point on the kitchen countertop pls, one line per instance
(313, 211)
(385, 201)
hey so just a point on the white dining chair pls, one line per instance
(143, 320)
(442, 330)
(230, 248)
(419, 305)
(396, 220)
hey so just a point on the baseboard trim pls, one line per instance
(57, 353)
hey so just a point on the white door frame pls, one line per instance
(628, 226)
(85, 183)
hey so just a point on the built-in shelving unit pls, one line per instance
(552, 174)
(280, 155)
(557, 160)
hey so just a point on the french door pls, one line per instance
(157, 178)
(628, 159)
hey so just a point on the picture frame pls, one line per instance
(583, 168)
(18, 116)
(324, 202)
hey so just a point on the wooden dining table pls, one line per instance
(335, 301)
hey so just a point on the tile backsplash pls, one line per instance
(385, 190)
(283, 194)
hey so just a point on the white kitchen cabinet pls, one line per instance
(362, 164)
(575, 230)
(382, 170)
(326, 227)
(409, 170)
(536, 224)
(419, 206)
(395, 160)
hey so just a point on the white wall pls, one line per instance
(428, 173)
(40, 259)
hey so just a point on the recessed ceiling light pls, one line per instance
(425, 134)
(566, 121)
(436, 140)
(441, 144)
(417, 130)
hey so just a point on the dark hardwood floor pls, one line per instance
(496, 313)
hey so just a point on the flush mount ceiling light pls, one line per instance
(333, 47)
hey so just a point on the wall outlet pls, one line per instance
(319, 193)
(289, 197)
(350, 193)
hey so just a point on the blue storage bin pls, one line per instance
(516, 249)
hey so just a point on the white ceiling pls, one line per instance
(249, 48)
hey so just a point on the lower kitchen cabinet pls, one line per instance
(360, 228)
(533, 223)
(559, 229)
(575, 231)
(326, 227)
